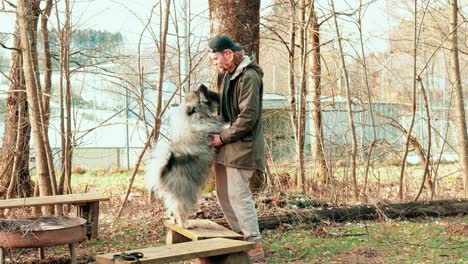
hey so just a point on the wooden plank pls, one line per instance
(53, 200)
(183, 251)
(203, 229)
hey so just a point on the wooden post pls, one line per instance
(41, 253)
(172, 237)
(94, 218)
(90, 212)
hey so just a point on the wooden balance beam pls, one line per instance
(221, 250)
(207, 243)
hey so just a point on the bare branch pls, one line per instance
(9, 48)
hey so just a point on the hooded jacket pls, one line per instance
(243, 137)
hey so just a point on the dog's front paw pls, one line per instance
(171, 219)
(189, 226)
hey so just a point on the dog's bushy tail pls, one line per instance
(159, 157)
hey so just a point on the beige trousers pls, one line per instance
(235, 199)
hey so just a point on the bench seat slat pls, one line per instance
(183, 251)
(53, 200)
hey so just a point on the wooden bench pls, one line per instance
(222, 250)
(87, 205)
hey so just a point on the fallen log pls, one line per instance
(439, 208)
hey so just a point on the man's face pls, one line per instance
(221, 60)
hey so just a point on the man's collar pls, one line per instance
(244, 63)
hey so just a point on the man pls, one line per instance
(241, 145)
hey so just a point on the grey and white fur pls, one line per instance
(179, 169)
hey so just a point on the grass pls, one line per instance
(105, 181)
(424, 241)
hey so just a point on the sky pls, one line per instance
(130, 17)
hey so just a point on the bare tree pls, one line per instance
(369, 97)
(28, 32)
(47, 62)
(426, 180)
(316, 73)
(14, 153)
(291, 65)
(66, 121)
(459, 102)
(349, 104)
(162, 62)
(407, 143)
(302, 95)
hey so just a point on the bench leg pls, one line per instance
(2, 256)
(94, 218)
(90, 212)
(173, 237)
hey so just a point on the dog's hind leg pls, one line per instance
(178, 218)
(185, 215)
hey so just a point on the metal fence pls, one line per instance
(279, 135)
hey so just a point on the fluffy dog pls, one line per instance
(178, 170)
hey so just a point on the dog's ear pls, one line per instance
(202, 89)
(190, 109)
(209, 95)
(202, 92)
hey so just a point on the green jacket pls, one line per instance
(243, 137)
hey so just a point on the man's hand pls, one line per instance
(216, 142)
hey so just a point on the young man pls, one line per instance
(241, 145)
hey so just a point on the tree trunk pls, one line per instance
(349, 106)
(427, 179)
(44, 95)
(300, 140)
(47, 63)
(316, 73)
(291, 64)
(240, 19)
(28, 33)
(410, 130)
(460, 118)
(162, 63)
(63, 152)
(14, 153)
(68, 99)
(439, 208)
(369, 101)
